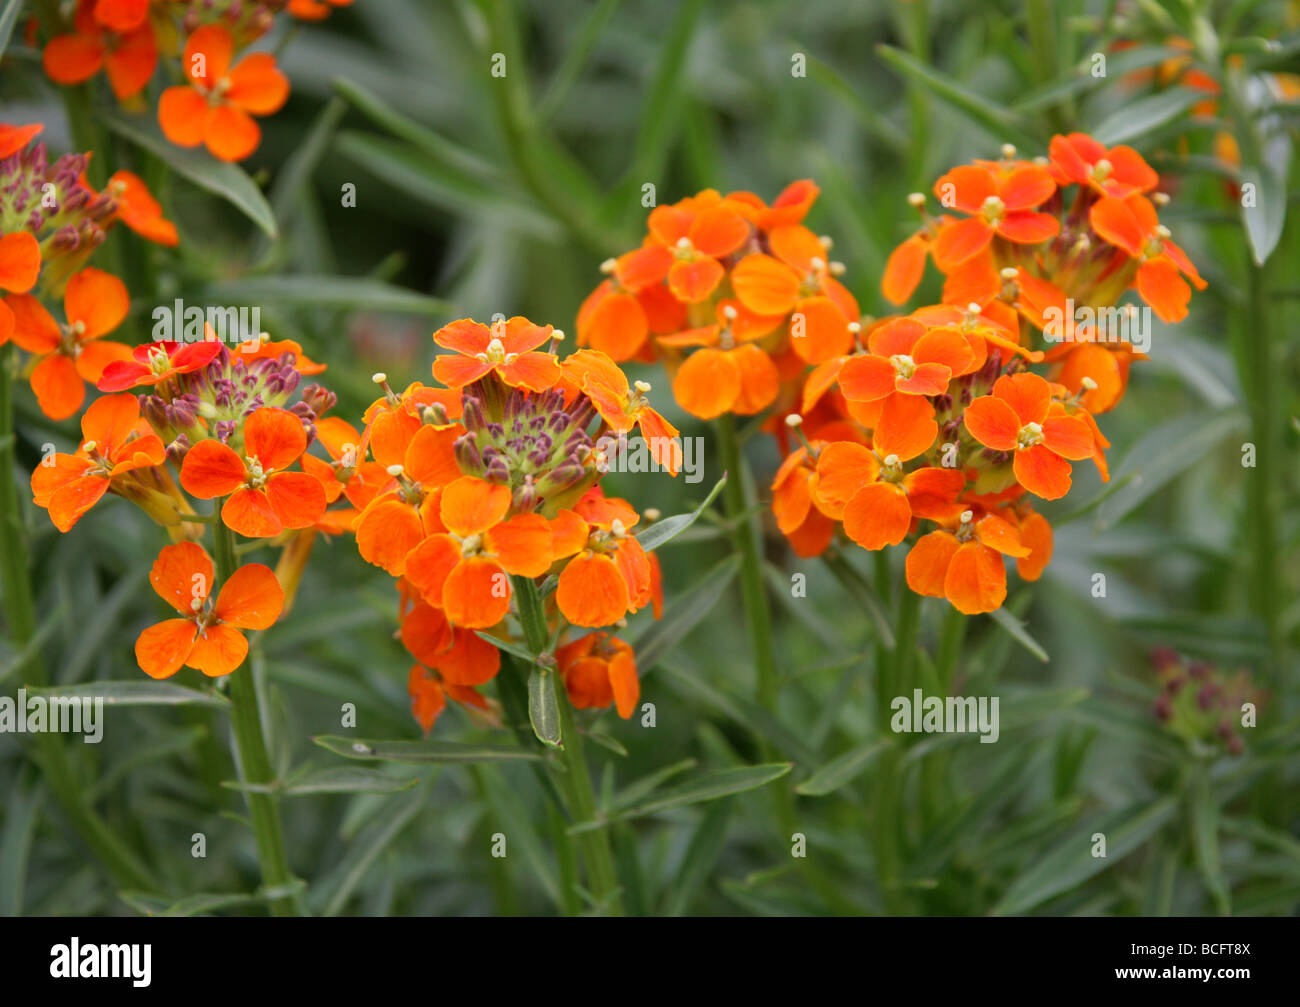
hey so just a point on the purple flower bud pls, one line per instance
(177, 449)
(320, 398)
(469, 459)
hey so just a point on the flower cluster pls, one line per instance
(222, 96)
(736, 297)
(491, 480)
(1202, 704)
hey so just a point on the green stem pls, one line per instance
(950, 640)
(745, 537)
(126, 870)
(250, 745)
(575, 780)
(893, 678)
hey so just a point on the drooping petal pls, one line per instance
(430, 563)
(230, 133)
(877, 516)
(58, 387)
(958, 240)
(976, 580)
(760, 383)
(1161, 286)
(592, 592)
(1000, 535)
(183, 116)
(843, 468)
(904, 269)
(20, 263)
(927, 563)
(297, 498)
(707, 384)
(476, 594)
(1043, 472)
(387, 531)
(161, 650)
(1069, 437)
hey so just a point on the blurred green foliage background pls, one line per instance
(477, 194)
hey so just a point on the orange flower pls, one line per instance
(610, 574)
(121, 15)
(138, 210)
(1020, 417)
(262, 498)
(966, 567)
(115, 441)
(1036, 536)
(460, 656)
(407, 509)
(618, 316)
(348, 471)
(95, 303)
(218, 106)
(906, 358)
(128, 56)
(1132, 225)
(874, 499)
(508, 350)
(1001, 199)
(391, 421)
(465, 571)
(597, 376)
(152, 363)
(729, 374)
(797, 280)
(693, 234)
(600, 671)
(808, 530)
(207, 638)
(1115, 171)
(789, 208)
(429, 692)
(20, 261)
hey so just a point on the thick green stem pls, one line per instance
(893, 678)
(745, 536)
(250, 745)
(126, 870)
(575, 780)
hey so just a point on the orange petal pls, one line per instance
(1029, 228)
(522, 545)
(456, 371)
(58, 387)
(616, 326)
(297, 498)
(20, 263)
(877, 516)
(592, 592)
(131, 63)
(429, 564)
(430, 457)
(992, 422)
(943, 346)
(183, 116)
(96, 299)
(906, 427)
(534, 372)
(1036, 534)
(250, 513)
(927, 563)
(1027, 393)
(214, 43)
(217, 650)
(867, 378)
(470, 506)
(1043, 472)
(843, 468)
(1069, 437)
(464, 336)
(904, 269)
(966, 188)
(161, 649)
(1114, 220)
(230, 133)
(72, 58)
(1027, 187)
(387, 531)
(707, 384)
(958, 240)
(426, 633)
(624, 683)
(719, 231)
(251, 599)
(1161, 286)
(257, 86)
(759, 381)
(212, 469)
(568, 533)
(470, 661)
(692, 280)
(275, 437)
(476, 594)
(976, 580)
(766, 286)
(824, 328)
(1000, 535)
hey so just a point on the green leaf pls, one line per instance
(707, 843)
(842, 768)
(346, 293)
(683, 614)
(7, 20)
(332, 892)
(1138, 118)
(1124, 722)
(1161, 455)
(1080, 78)
(22, 815)
(12, 662)
(518, 651)
(606, 742)
(1016, 630)
(637, 789)
(134, 694)
(229, 181)
(339, 780)
(543, 709)
(1205, 841)
(1265, 219)
(670, 527)
(1001, 122)
(421, 751)
(706, 787)
(1072, 862)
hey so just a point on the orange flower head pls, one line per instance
(118, 43)
(115, 441)
(508, 351)
(599, 671)
(69, 354)
(1002, 200)
(1116, 171)
(217, 107)
(965, 565)
(207, 637)
(1132, 226)
(154, 363)
(262, 497)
